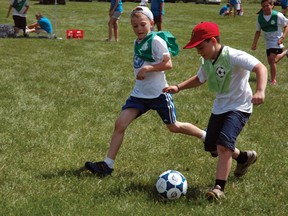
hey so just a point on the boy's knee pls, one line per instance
(224, 151)
(120, 125)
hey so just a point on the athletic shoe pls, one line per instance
(215, 194)
(99, 168)
(242, 168)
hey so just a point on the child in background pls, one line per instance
(20, 8)
(157, 8)
(42, 24)
(284, 6)
(151, 60)
(272, 23)
(115, 12)
(224, 11)
(227, 72)
(233, 6)
(144, 3)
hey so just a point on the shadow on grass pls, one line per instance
(193, 194)
(82, 172)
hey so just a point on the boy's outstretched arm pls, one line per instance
(261, 76)
(189, 83)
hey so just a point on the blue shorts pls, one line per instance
(116, 15)
(164, 106)
(284, 4)
(224, 129)
(274, 50)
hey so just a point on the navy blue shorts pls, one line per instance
(164, 106)
(223, 129)
(274, 50)
(20, 22)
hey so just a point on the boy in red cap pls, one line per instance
(227, 72)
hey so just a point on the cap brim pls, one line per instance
(192, 44)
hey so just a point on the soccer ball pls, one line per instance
(171, 185)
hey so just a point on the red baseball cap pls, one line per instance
(201, 32)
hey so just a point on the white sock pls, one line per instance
(203, 136)
(109, 162)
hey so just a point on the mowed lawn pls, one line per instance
(59, 100)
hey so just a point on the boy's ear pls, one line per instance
(214, 41)
(152, 22)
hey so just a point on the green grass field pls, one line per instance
(59, 100)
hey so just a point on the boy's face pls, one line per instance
(141, 25)
(267, 8)
(207, 49)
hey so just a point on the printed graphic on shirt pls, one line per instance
(138, 62)
(220, 71)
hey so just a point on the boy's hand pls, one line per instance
(171, 89)
(141, 74)
(254, 46)
(258, 98)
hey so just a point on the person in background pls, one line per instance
(227, 71)
(19, 10)
(284, 6)
(115, 12)
(240, 11)
(42, 24)
(233, 6)
(272, 23)
(144, 3)
(157, 8)
(224, 11)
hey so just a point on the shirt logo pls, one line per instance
(220, 71)
(138, 62)
(144, 46)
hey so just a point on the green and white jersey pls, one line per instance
(154, 82)
(228, 77)
(272, 27)
(19, 6)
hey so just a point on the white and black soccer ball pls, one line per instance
(172, 185)
(220, 72)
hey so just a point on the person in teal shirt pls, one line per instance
(157, 8)
(42, 24)
(224, 11)
(115, 12)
